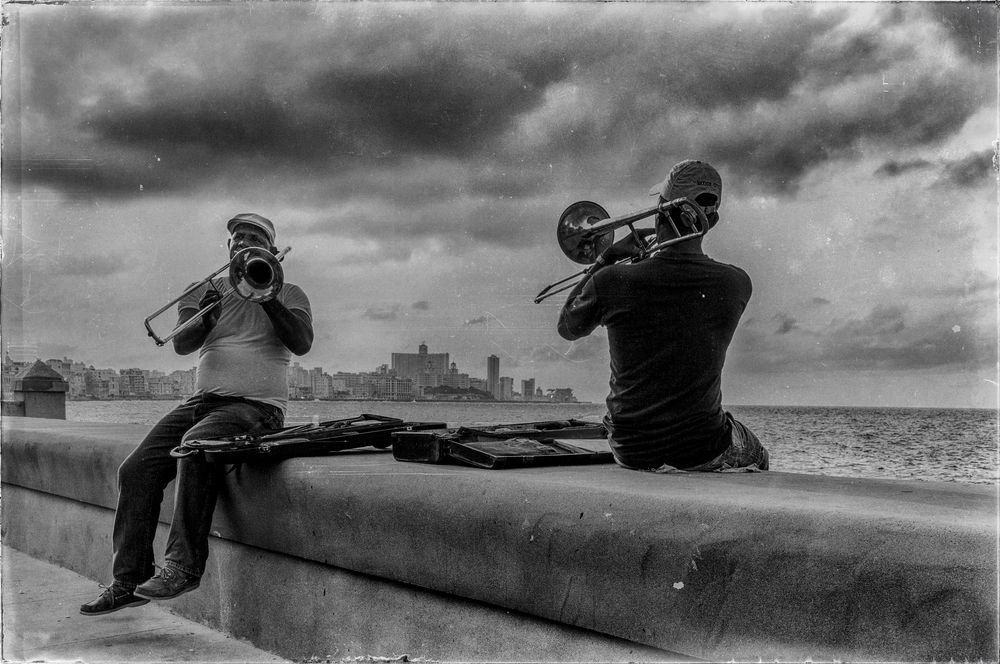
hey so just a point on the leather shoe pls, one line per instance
(114, 598)
(168, 583)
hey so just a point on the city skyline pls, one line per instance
(19, 357)
(417, 156)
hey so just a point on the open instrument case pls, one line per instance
(507, 445)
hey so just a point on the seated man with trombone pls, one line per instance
(671, 312)
(245, 345)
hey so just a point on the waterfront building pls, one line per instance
(63, 367)
(321, 383)
(423, 368)
(506, 388)
(298, 376)
(162, 386)
(528, 389)
(12, 367)
(135, 382)
(390, 387)
(185, 381)
(77, 382)
(460, 381)
(493, 376)
(103, 384)
(562, 395)
(352, 384)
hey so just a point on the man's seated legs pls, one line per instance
(196, 492)
(142, 478)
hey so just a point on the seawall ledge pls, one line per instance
(718, 566)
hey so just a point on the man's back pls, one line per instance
(670, 319)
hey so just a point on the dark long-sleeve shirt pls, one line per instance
(670, 320)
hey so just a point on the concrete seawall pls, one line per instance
(357, 554)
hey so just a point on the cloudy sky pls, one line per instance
(417, 156)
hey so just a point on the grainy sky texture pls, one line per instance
(416, 156)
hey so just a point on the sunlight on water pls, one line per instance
(955, 445)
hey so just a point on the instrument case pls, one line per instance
(507, 445)
(305, 440)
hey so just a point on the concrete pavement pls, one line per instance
(42, 623)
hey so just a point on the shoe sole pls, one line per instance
(139, 602)
(158, 599)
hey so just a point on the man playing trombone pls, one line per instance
(670, 318)
(245, 344)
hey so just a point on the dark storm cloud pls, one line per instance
(335, 105)
(779, 154)
(892, 168)
(812, 114)
(785, 324)
(882, 321)
(422, 305)
(970, 171)
(973, 27)
(939, 347)
(394, 231)
(331, 100)
(819, 302)
(886, 339)
(441, 102)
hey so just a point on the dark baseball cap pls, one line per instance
(688, 179)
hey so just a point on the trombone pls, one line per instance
(586, 230)
(255, 274)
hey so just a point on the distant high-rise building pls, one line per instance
(528, 389)
(493, 375)
(457, 380)
(423, 368)
(506, 388)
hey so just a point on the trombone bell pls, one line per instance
(576, 235)
(256, 274)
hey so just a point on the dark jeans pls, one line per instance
(744, 452)
(145, 473)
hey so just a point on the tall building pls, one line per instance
(320, 383)
(493, 375)
(423, 368)
(457, 380)
(506, 388)
(528, 389)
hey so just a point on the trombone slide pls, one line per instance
(160, 341)
(586, 230)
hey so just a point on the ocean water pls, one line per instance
(953, 445)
